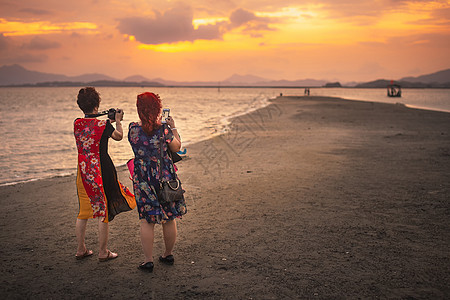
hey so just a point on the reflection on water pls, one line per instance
(37, 123)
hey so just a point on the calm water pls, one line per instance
(432, 99)
(37, 123)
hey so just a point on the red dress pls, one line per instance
(100, 194)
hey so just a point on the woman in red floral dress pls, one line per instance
(100, 194)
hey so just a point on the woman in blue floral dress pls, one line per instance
(144, 137)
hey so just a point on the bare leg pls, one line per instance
(103, 230)
(170, 236)
(147, 237)
(80, 231)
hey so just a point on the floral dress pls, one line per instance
(146, 174)
(100, 194)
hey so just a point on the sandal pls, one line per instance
(168, 260)
(87, 253)
(109, 257)
(147, 267)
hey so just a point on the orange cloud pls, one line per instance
(14, 28)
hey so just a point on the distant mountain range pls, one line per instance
(16, 75)
(439, 79)
(234, 80)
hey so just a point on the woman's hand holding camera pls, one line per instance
(119, 115)
(176, 143)
(118, 133)
(170, 121)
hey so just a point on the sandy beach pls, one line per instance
(309, 197)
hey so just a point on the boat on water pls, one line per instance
(394, 90)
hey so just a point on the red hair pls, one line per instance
(149, 108)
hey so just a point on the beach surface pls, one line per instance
(309, 197)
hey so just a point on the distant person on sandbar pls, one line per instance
(144, 137)
(100, 194)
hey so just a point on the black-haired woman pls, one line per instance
(100, 194)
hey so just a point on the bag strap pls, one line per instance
(160, 154)
(161, 157)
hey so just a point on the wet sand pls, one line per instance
(310, 197)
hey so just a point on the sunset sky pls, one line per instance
(210, 40)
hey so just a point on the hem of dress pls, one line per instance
(159, 219)
(103, 218)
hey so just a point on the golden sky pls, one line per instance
(210, 40)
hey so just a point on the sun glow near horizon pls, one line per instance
(229, 43)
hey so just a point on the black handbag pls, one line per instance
(175, 156)
(169, 190)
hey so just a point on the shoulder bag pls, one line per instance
(169, 190)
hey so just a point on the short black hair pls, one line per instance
(88, 99)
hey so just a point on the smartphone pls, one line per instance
(165, 114)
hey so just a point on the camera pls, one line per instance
(165, 115)
(112, 113)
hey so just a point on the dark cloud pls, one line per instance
(241, 16)
(368, 12)
(75, 35)
(250, 22)
(436, 40)
(37, 12)
(28, 58)
(33, 58)
(13, 53)
(433, 21)
(209, 32)
(175, 25)
(39, 43)
(442, 16)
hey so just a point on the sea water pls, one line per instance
(36, 124)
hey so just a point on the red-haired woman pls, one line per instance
(144, 137)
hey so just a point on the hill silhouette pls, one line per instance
(16, 75)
